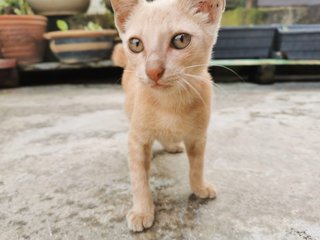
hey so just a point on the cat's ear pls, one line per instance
(122, 10)
(212, 9)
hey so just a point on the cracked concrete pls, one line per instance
(64, 175)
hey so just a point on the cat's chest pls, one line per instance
(174, 120)
(166, 124)
(168, 121)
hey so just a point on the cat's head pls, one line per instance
(165, 39)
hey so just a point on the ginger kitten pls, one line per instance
(166, 50)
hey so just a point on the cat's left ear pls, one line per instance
(122, 10)
(213, 9)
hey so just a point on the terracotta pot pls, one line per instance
(59, 7)
(21, 37)
(8, 73)
(77, 46)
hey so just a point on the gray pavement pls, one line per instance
(64, 175)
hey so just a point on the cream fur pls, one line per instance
(177, 113)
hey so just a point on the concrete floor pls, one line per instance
(64, 175)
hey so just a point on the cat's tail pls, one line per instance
(118, 57)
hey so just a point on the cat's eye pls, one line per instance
(136, 45)
(181, 40)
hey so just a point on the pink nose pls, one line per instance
(155, 71)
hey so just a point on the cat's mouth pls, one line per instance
(160, 86)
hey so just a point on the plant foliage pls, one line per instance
(15, 7)
(62, 25)
(91, 26)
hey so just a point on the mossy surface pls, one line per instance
(243, 16)
(264, 16)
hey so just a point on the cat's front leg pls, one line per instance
(196, 150)
(141, 216)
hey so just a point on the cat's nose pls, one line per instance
(155, 70)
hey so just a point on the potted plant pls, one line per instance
(59, 7)
(21, 32)
(79, 46)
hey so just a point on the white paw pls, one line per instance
(205, 191)
(137, 221)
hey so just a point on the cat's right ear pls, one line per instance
(211, 10)
(122, 10)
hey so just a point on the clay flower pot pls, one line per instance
(21, 37)
(78, 46)
(59, 7)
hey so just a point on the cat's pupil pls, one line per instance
(135, 45)
(136, 42)
(181, 38)
(181, 41)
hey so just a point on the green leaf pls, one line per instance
(22, 9)
(91, 26)
(18, 11)
(4, 4)
(62, 25)
(18, 7)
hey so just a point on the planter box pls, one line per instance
(300, 42)
(245, 42)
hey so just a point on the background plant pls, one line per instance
(91, 26)
(16, 7)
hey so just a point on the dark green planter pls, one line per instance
(245, 42)
(300, 42)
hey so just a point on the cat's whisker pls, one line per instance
(217, 65)
(181, 88)
(195, 91)
(229, 69)
(200, 78)
(197, 65)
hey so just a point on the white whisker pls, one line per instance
(203, 79)
(196, 92)
(216, 65)
(198, 65)
(229, 69)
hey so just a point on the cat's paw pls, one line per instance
(174, 148)
(205, 191)
(137, 221)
